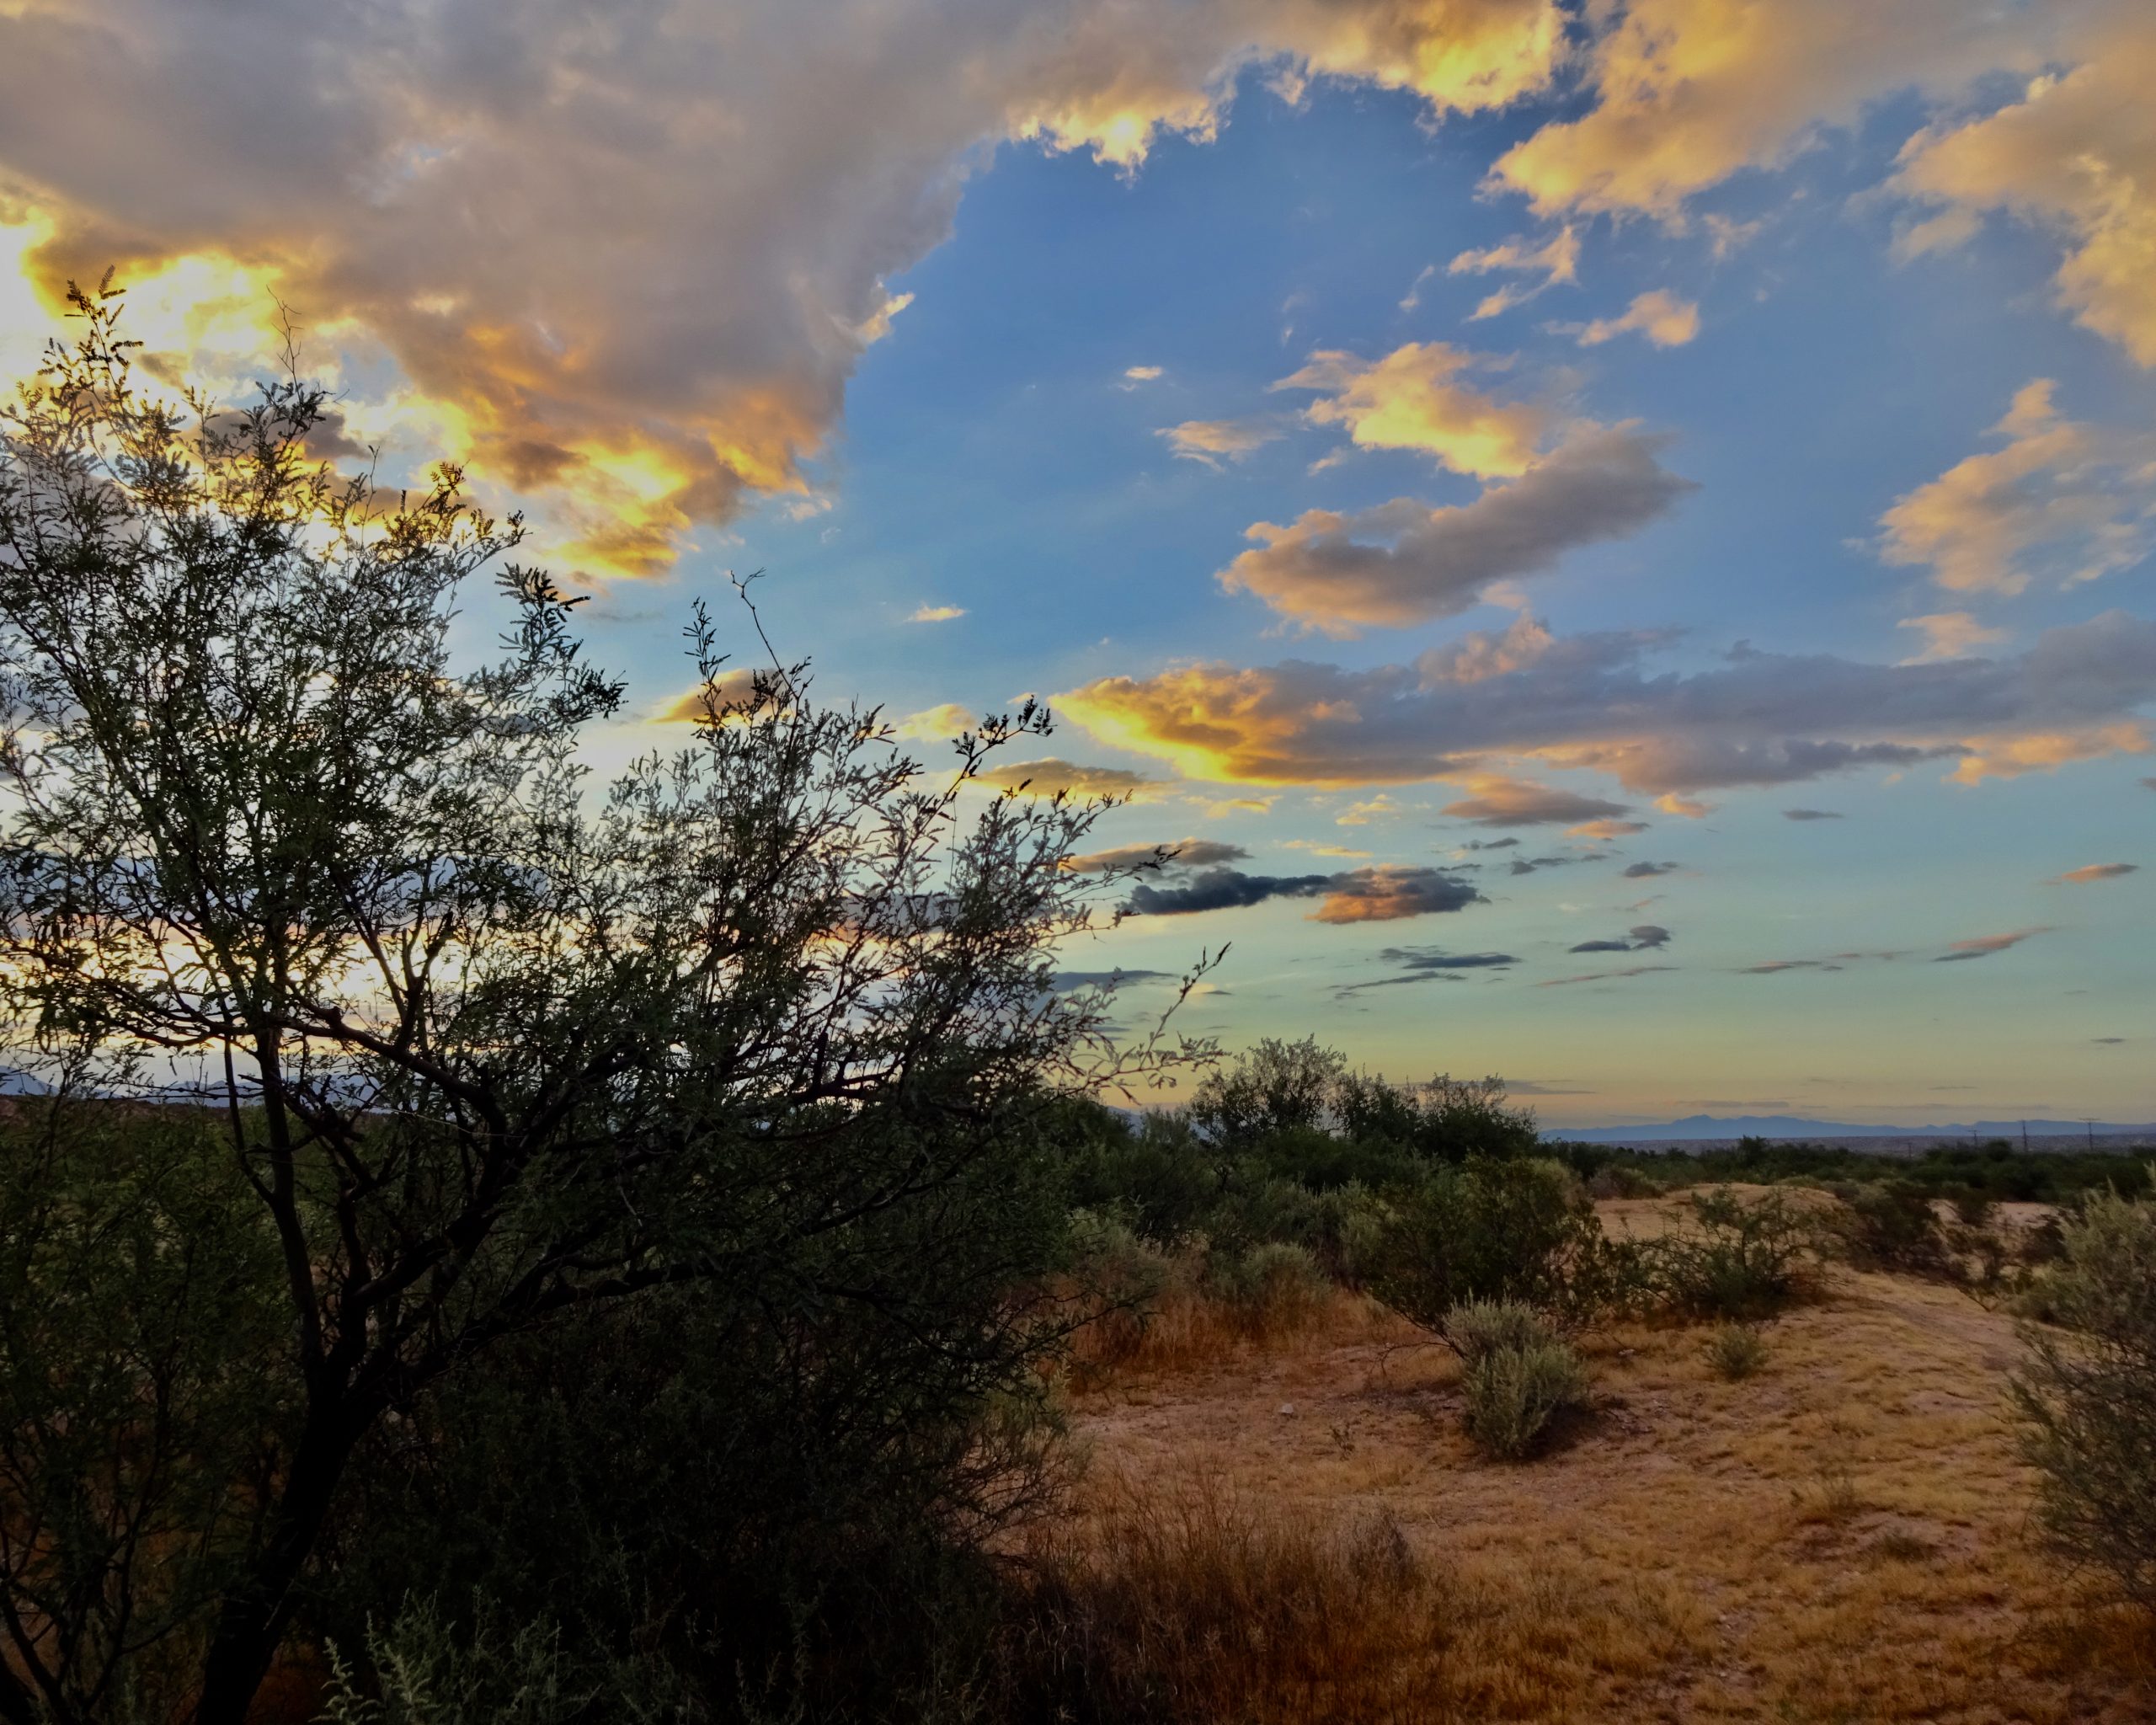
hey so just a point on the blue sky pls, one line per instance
(907, 312)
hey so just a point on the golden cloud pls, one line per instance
(2060, 491)
(1687, 92)
(1590, 702)
(1659, 315)
(2077, 154)
(1412, 399)
(628, 270)
(1052, 778)
(1949, 634)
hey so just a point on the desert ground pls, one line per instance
(1844, 1536)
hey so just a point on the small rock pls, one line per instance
(1287, 1408)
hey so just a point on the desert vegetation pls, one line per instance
(476, 1244)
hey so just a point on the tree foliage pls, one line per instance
(490, 1045)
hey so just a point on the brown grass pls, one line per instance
(1297, 1529)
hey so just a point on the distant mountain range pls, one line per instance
(1723, 1126)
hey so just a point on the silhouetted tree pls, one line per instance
(490, 1044)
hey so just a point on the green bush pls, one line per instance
(1514, 1395)
(2088, 1399)
(1481, 1327)
(1272, 1287)
(1522, 1231)
(1891, 1225)
(1737, 1351)
(1739, 1260)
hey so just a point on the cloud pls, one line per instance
(1434, 959)
(1068, 981)
(1607, 828)
(2061, 498)
(1380, 894)
(1386, 895)
(1839, 961)
(629, 259)
(1684, 93)
(1412, 399)
(1589, 700)
(1984, 945)
(1810, 814)
(734, 686)
(1212, 440)
(1659, 315)
(1949, 634)
(2077, 154)
(1510, 802)
(1142, 374)
(1222, 889)
(2094, 872)
(1189, 853)
(1607, 975)
(1530, 865)
(1053, 777)
(936, 613)
(1556, 260)
(1645, 937)
(937, 724)
(1647, 871)
(1403, 562)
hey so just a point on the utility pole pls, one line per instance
(2025, 1138)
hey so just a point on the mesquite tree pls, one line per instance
(487, 1043)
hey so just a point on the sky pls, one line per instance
(1615, 537)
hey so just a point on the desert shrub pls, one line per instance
(1891, 1225)
(2088, 1398)
(1973, 1207)
(1484, 1326)
(1515, 1394)
(1737, 1259)
(1271, 1288)
(1737, 1351)
(1617, 1181)
(1522, 1231)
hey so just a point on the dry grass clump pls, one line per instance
(1193, 1603)
(1737, 1351)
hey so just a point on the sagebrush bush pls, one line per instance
(1514, 1395)
(1484, 1326)
(1523, 1230)
(2088, 1399)
(1739, 1260)
(1270, 1288)
(1891, 1225)
(1737, 1351)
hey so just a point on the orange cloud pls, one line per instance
(1949, 634)
(2077, 154)
(1659, 315)
(1404, 562)
(1212, 440)
(2060, 493)
(1412, 399)
(1687, 92)
(1052, 778)
(1589, 702)
(2093, 873)
(629, 271)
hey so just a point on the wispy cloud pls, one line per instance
(2093, 873)
(1983, 946)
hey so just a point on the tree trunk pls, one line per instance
(255, 1613)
